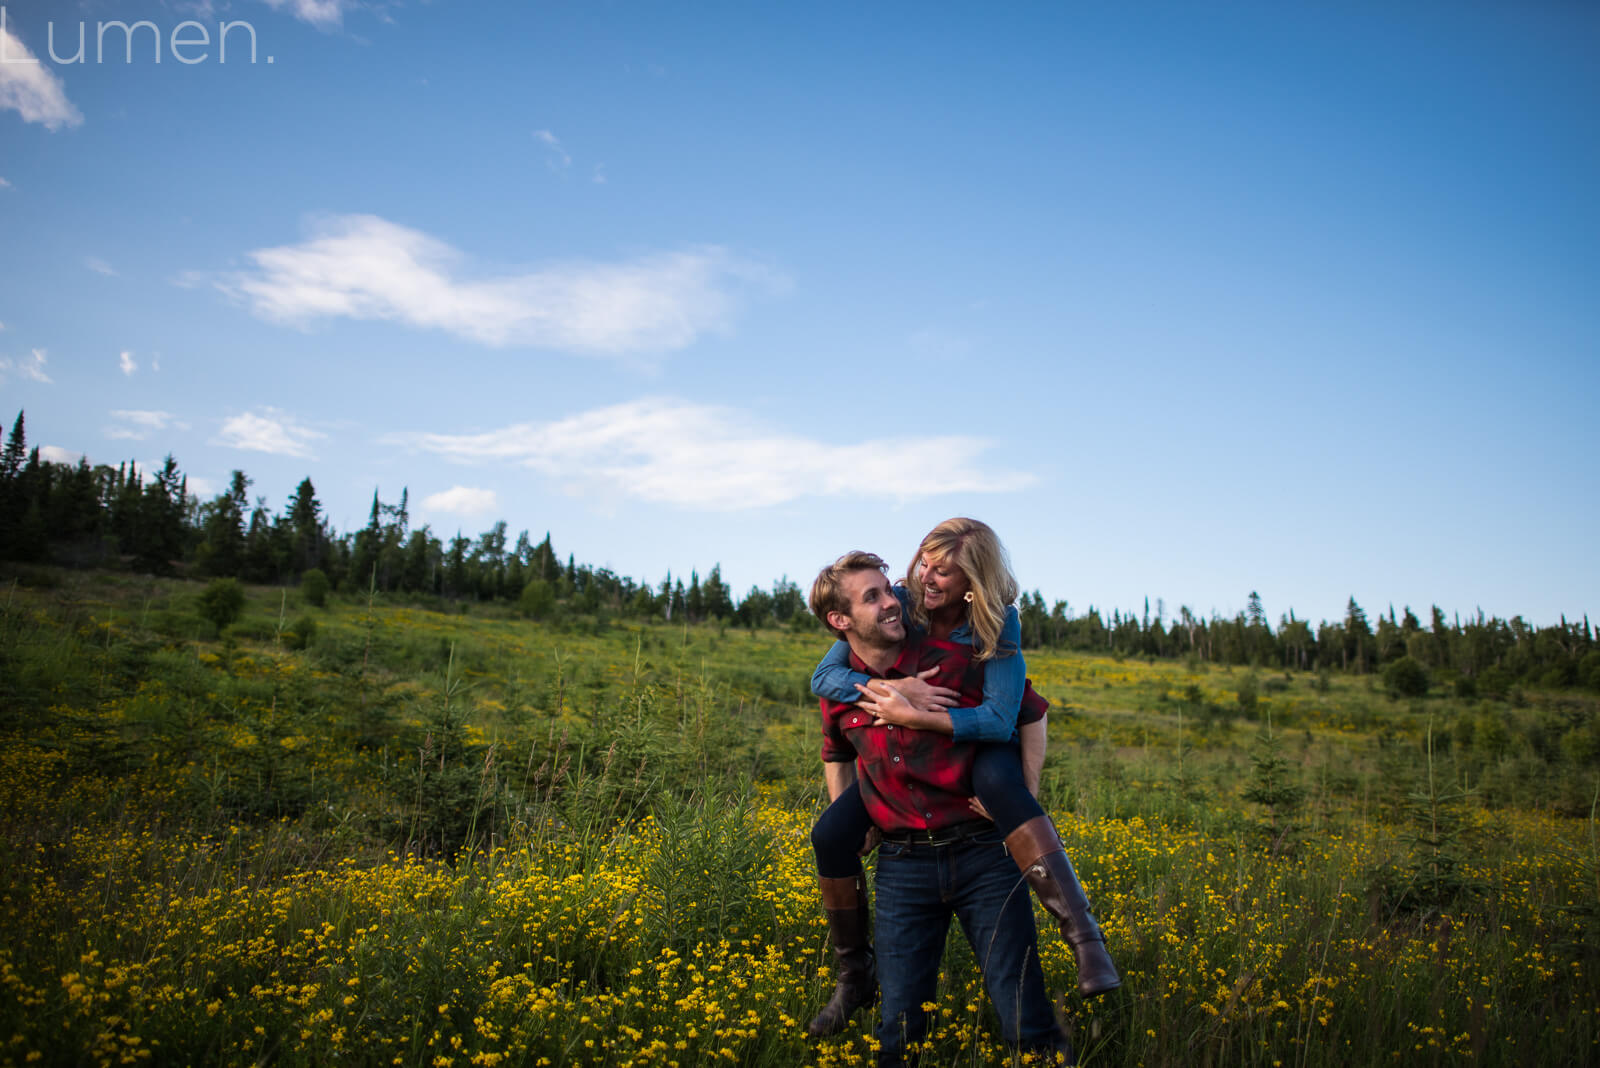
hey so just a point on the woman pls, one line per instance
(959, 589)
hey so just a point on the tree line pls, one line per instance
(83, 515)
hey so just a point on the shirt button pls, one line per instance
(891, 726)
(855, 719)
(927, 815)
(897, 760)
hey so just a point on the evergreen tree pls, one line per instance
(222, 550)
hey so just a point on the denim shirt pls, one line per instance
(995, 720)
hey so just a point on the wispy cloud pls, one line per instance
(599, 177)
(323, 14)
(461, 500)
(57, 455)
(32, 89)
(4, 182)
(100, 266)
(30, 367)
(136, 425)
(671, 451)
(365, 267)
(268, 430)
(558, 158)
(126, 361)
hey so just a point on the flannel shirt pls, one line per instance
(914, 780)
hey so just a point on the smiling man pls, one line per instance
(935, 861)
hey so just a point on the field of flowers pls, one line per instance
(435, 839)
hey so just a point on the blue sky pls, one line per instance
(1185, 300)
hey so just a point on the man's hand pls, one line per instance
(919, 694)
(874, 839)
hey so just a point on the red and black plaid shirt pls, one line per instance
(913, 780)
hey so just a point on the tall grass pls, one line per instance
(436, 839)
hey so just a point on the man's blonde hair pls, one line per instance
(826, 594)
(974, 548)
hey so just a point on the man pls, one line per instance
(935, 860)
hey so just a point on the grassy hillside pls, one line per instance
(408, 833)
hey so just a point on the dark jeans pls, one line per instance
(918, 889)
(841, 830)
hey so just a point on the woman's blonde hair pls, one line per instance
(973, 547)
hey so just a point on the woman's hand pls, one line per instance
(977, 806)
(921, 695)
(886, 703)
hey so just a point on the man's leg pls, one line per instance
(995, 908)
(913, 919)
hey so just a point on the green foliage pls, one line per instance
(301, 632)
(538, 600)
(1249, 694)
(314, 587)
(1405, 677)
(1275, 787)
(703, 881)
(221, 601)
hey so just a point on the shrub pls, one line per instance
(1406, 678)
(222, 601)
(538, 600)
(314, 587)
(300, 632)
(1249, 693)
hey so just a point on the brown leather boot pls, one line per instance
(1036, 847)
(850, 926)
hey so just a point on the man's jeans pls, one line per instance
(918, 889)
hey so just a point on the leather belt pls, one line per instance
(941, 836)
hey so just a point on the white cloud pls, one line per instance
(674, 452)
(268, 430)
(155, 363)
(461, 500)
(126, 361)
(599, 174)
(30, 367)
(324, 14)
(4, 183)
(364, 267)
(99, 266)
(57, 455)
(136, 425)
(32, 89)
(559, 159)
(202, 487)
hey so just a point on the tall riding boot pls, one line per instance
(849, 925)
(1036, 847)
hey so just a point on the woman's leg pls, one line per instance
(1036, 847)
(838, 836)
(997, 780)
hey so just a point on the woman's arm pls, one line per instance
(834, 678)
(995, 720)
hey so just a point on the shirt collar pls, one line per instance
(904, 664)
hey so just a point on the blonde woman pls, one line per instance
(958, 590)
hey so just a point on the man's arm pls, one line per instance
(1034, 743)
(838, 775)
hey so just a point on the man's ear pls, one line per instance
(838, 621)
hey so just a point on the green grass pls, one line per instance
(435, 836)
